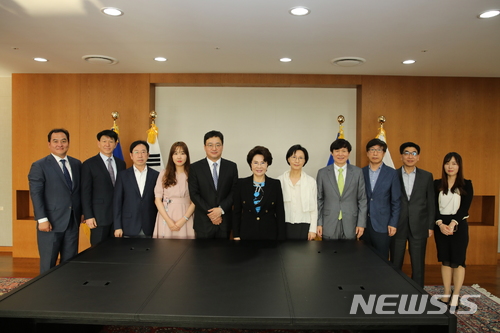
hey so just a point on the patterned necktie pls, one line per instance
(66, 175)
(214, 175)
(111, 171)
(341, 186)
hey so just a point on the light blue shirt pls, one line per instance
(374, 175)
(409, 180)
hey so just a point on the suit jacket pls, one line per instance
(204, 195)
(97, 190)
(269, 223)
(132, 211)
(417, 213)
(384, 200)
(50, 195)
(352, 202)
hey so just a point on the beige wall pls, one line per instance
(6, 162)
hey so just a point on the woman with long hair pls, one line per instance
(175, 209)
(453, 198)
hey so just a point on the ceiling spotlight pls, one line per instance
(489, 14)
(111, 11)
(285, 59)
(299, 11)
(409, 62)
(160, 59)
(40, 59)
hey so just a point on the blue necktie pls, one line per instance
(66, 175)
(214, 175)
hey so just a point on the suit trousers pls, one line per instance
(380, 241)
(416, 247)
(214, 232)
(52, 244)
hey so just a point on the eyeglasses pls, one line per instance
(300, 158)
(217, 145)
(408, 153)
(372, 150)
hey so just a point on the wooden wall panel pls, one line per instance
(81, 103)
(440, 114)
(102, 94)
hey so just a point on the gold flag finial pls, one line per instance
(341, 120)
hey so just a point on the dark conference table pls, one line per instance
(219, 284)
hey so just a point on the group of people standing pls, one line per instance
(384, 207)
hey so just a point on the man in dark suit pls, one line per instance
(98, 184)
(416, 221)
(55, 192)
(383, 192)
(134, 209)
(212, 181)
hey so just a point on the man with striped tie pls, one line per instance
(98, 181)
(54, 183)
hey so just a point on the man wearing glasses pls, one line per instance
(383, 192)
(211, 186)
(416, 220)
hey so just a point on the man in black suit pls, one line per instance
(416, 220)
(98, 184)
(134, 209)
(211, 186)
(55, 192)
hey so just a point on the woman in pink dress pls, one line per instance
(175, 209)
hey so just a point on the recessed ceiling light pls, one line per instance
(160, 59)
(285, 59)
(111, 11)
(299, 11)
(40, 59)
(490, 13)
(409, 62)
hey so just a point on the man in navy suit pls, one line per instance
(134, 209)
(383, 192)
(98, 184)
(212, 181)
(55, 192)
(416, 221)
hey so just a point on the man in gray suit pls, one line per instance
(416, 220)
(341, 196)
(55, 192)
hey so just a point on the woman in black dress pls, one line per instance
(453, 199)
(259, 211)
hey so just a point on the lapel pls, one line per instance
(331, 175)
(208, 174)
(381, 177)
(368, 184)
(102, 167)
(58, 171)
(404, 196)
(75, 172)
(132, 181)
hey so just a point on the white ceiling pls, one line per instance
(445, 37)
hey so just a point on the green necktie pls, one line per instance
(341, 186)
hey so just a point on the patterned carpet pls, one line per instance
(486, 319)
